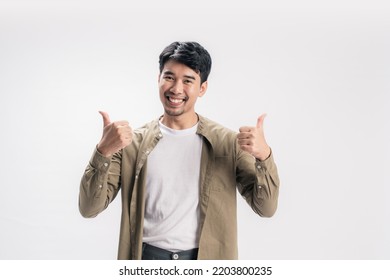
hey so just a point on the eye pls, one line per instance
(168, 78)
(188, 81)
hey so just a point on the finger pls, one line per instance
(245, 129)
(106, 118)
(260, 121)
(245, 142)
(245, 135)
(121, 124)
(125, 139)
(246, 148)
(126, 131)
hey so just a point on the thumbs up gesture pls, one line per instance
(116, 136)
(252, 140)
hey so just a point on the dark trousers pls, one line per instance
(150, 252)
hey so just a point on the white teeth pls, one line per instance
(175, 100)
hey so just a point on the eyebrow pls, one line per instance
(168, 72)
(190, 77)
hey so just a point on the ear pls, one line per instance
(203, 88)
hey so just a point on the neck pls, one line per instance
(179, 122)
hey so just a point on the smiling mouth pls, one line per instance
(176, 101)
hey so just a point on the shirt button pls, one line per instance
(100, 186)
(105, 164)
(175, 256)
(147, 152)
(258, 167)
(259, 187)
(160, 135)
(136, 177)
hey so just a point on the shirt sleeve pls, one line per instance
(258, 182)
(100, 183)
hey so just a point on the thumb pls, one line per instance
(106, 118)
(260, 121)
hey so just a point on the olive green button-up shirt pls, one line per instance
(224, 168)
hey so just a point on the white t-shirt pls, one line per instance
(172, 190)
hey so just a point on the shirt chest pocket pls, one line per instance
(223, 175)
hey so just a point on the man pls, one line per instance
(178, 174)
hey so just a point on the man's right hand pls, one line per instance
(116, 136)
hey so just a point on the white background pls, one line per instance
(319, 70)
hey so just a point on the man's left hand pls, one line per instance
(252, 140)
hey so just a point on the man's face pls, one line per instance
(179, 88)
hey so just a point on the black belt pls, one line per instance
(150, 252)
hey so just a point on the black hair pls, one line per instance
(191, 54)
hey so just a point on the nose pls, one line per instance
(177, 87)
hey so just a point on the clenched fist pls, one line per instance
(116, 136)
(252, 140)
